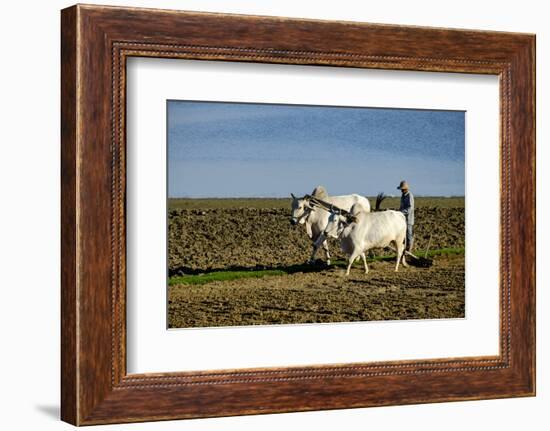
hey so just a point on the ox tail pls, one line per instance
(379, 198)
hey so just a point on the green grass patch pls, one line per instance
(444, 251)
(222, 276)
(389, 257)
(198, 279)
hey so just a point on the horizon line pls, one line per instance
(289, 197)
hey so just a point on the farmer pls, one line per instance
(407, 208)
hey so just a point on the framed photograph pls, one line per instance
(242, 247)
(263, 214)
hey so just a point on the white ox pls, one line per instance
(361, 230)
(315, 218)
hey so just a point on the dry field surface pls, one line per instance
(236, 236)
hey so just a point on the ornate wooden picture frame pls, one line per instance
(96, 42)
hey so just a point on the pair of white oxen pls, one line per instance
(349, 219)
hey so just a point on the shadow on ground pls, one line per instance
(289, 269)
(52, 411)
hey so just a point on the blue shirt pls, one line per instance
(407, 206)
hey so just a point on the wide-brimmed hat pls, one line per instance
(403, 185)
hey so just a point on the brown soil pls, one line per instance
(324, 296)
(200, 240)
(205, 235)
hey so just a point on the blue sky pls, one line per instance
(265, 150)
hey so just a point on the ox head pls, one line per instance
(337, 222)
(301, 208)
(335, 225)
